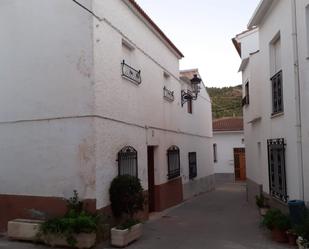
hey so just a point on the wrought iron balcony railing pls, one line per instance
(131, 74)
(168, 94)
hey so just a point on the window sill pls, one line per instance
(276, 115)
(279, 201)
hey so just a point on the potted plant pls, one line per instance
(303, 232)
(292, 236)
(127, 198)
(76, 228)
(261, 202)
(278, 223)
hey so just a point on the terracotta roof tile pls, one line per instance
(228, 124)
(189, 73)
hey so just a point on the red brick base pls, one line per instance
(168, 194)
(19, 207)
(15, 206)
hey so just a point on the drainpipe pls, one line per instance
(298, 101)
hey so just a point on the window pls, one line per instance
(192, 165)
(215, 153)
(277, 173)
(190, 106)
(276, 72)
(173, 160)
(277, 93)
(245, 100)
(127, 161)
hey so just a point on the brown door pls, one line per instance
(240, 164)
(151, 179)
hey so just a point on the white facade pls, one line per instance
(225, 143)
(283, 45)
(67, 111)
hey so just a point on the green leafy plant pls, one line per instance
(275, 219)
(128, 224)
(261, 201)
(126, 196)
(74, 203)
(75, 221)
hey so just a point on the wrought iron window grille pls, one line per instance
(173, 160)
(127, 161)
(168, 95)
(277, 170)
(130, 73)
(245, 101)
(277, 93)
(192, 165)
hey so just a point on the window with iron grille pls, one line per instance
(127, 161)
(215, 153)
(246, 99)
(277, 172)
(277, 93)
(192, 165)
(173, 160)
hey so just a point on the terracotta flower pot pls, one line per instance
(279, 236)
(292, 239)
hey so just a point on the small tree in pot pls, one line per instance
(262, 203)
(278, 223)
(127, 199)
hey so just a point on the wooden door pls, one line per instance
(151, 179)
(240, 164)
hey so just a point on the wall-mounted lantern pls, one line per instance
(191, 95)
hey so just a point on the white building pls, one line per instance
(91, 89)
(274, 54)
(229, 149)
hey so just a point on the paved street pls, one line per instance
(218, 220)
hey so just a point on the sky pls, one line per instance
(202, 30)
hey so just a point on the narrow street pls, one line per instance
(218, 220)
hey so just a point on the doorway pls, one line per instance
(151, 179)
(240, 164)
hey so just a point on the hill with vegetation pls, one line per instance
(226, 101)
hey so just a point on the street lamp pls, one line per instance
(191, 95)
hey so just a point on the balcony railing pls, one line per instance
(168, 94)
(131, 74)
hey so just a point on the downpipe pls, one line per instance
(298, 101)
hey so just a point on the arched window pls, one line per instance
(127, 161)
(173, 160)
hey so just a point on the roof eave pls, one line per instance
(237, 45)
(260, 13)
(151, 24)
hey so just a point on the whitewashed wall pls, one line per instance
(140, 115)
(66, 111)
(259, 72)
(46, 77)
(226, 142)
